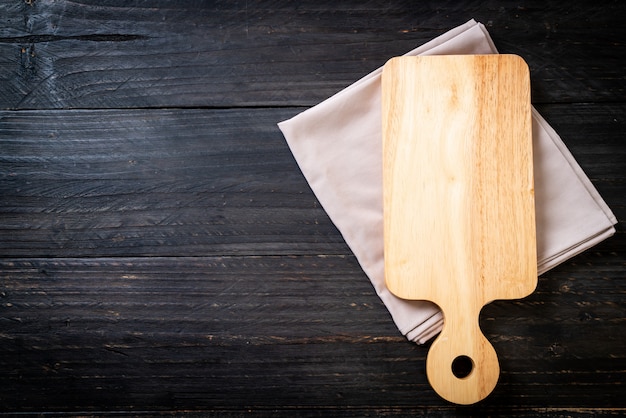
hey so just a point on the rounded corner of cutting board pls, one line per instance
(391, 65)
(515, 58)
(393, 60)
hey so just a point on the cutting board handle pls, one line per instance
(462, 366)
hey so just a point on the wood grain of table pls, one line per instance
(162, 254)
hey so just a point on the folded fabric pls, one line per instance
(338, 143)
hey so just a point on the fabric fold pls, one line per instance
(337, 145)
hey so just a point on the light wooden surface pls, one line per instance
(459, 204)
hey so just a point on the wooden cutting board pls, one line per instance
(459, 215)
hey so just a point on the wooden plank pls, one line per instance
(91, 55)
(163, 333)
(169, 182)
(286, 333)
(200, 182)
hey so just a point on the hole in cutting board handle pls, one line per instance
(462, 366)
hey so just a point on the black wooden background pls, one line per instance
(161, 252)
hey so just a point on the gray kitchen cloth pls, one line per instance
(338, 146)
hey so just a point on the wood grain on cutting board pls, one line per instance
(458, 199)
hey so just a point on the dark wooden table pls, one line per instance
(161, 252)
